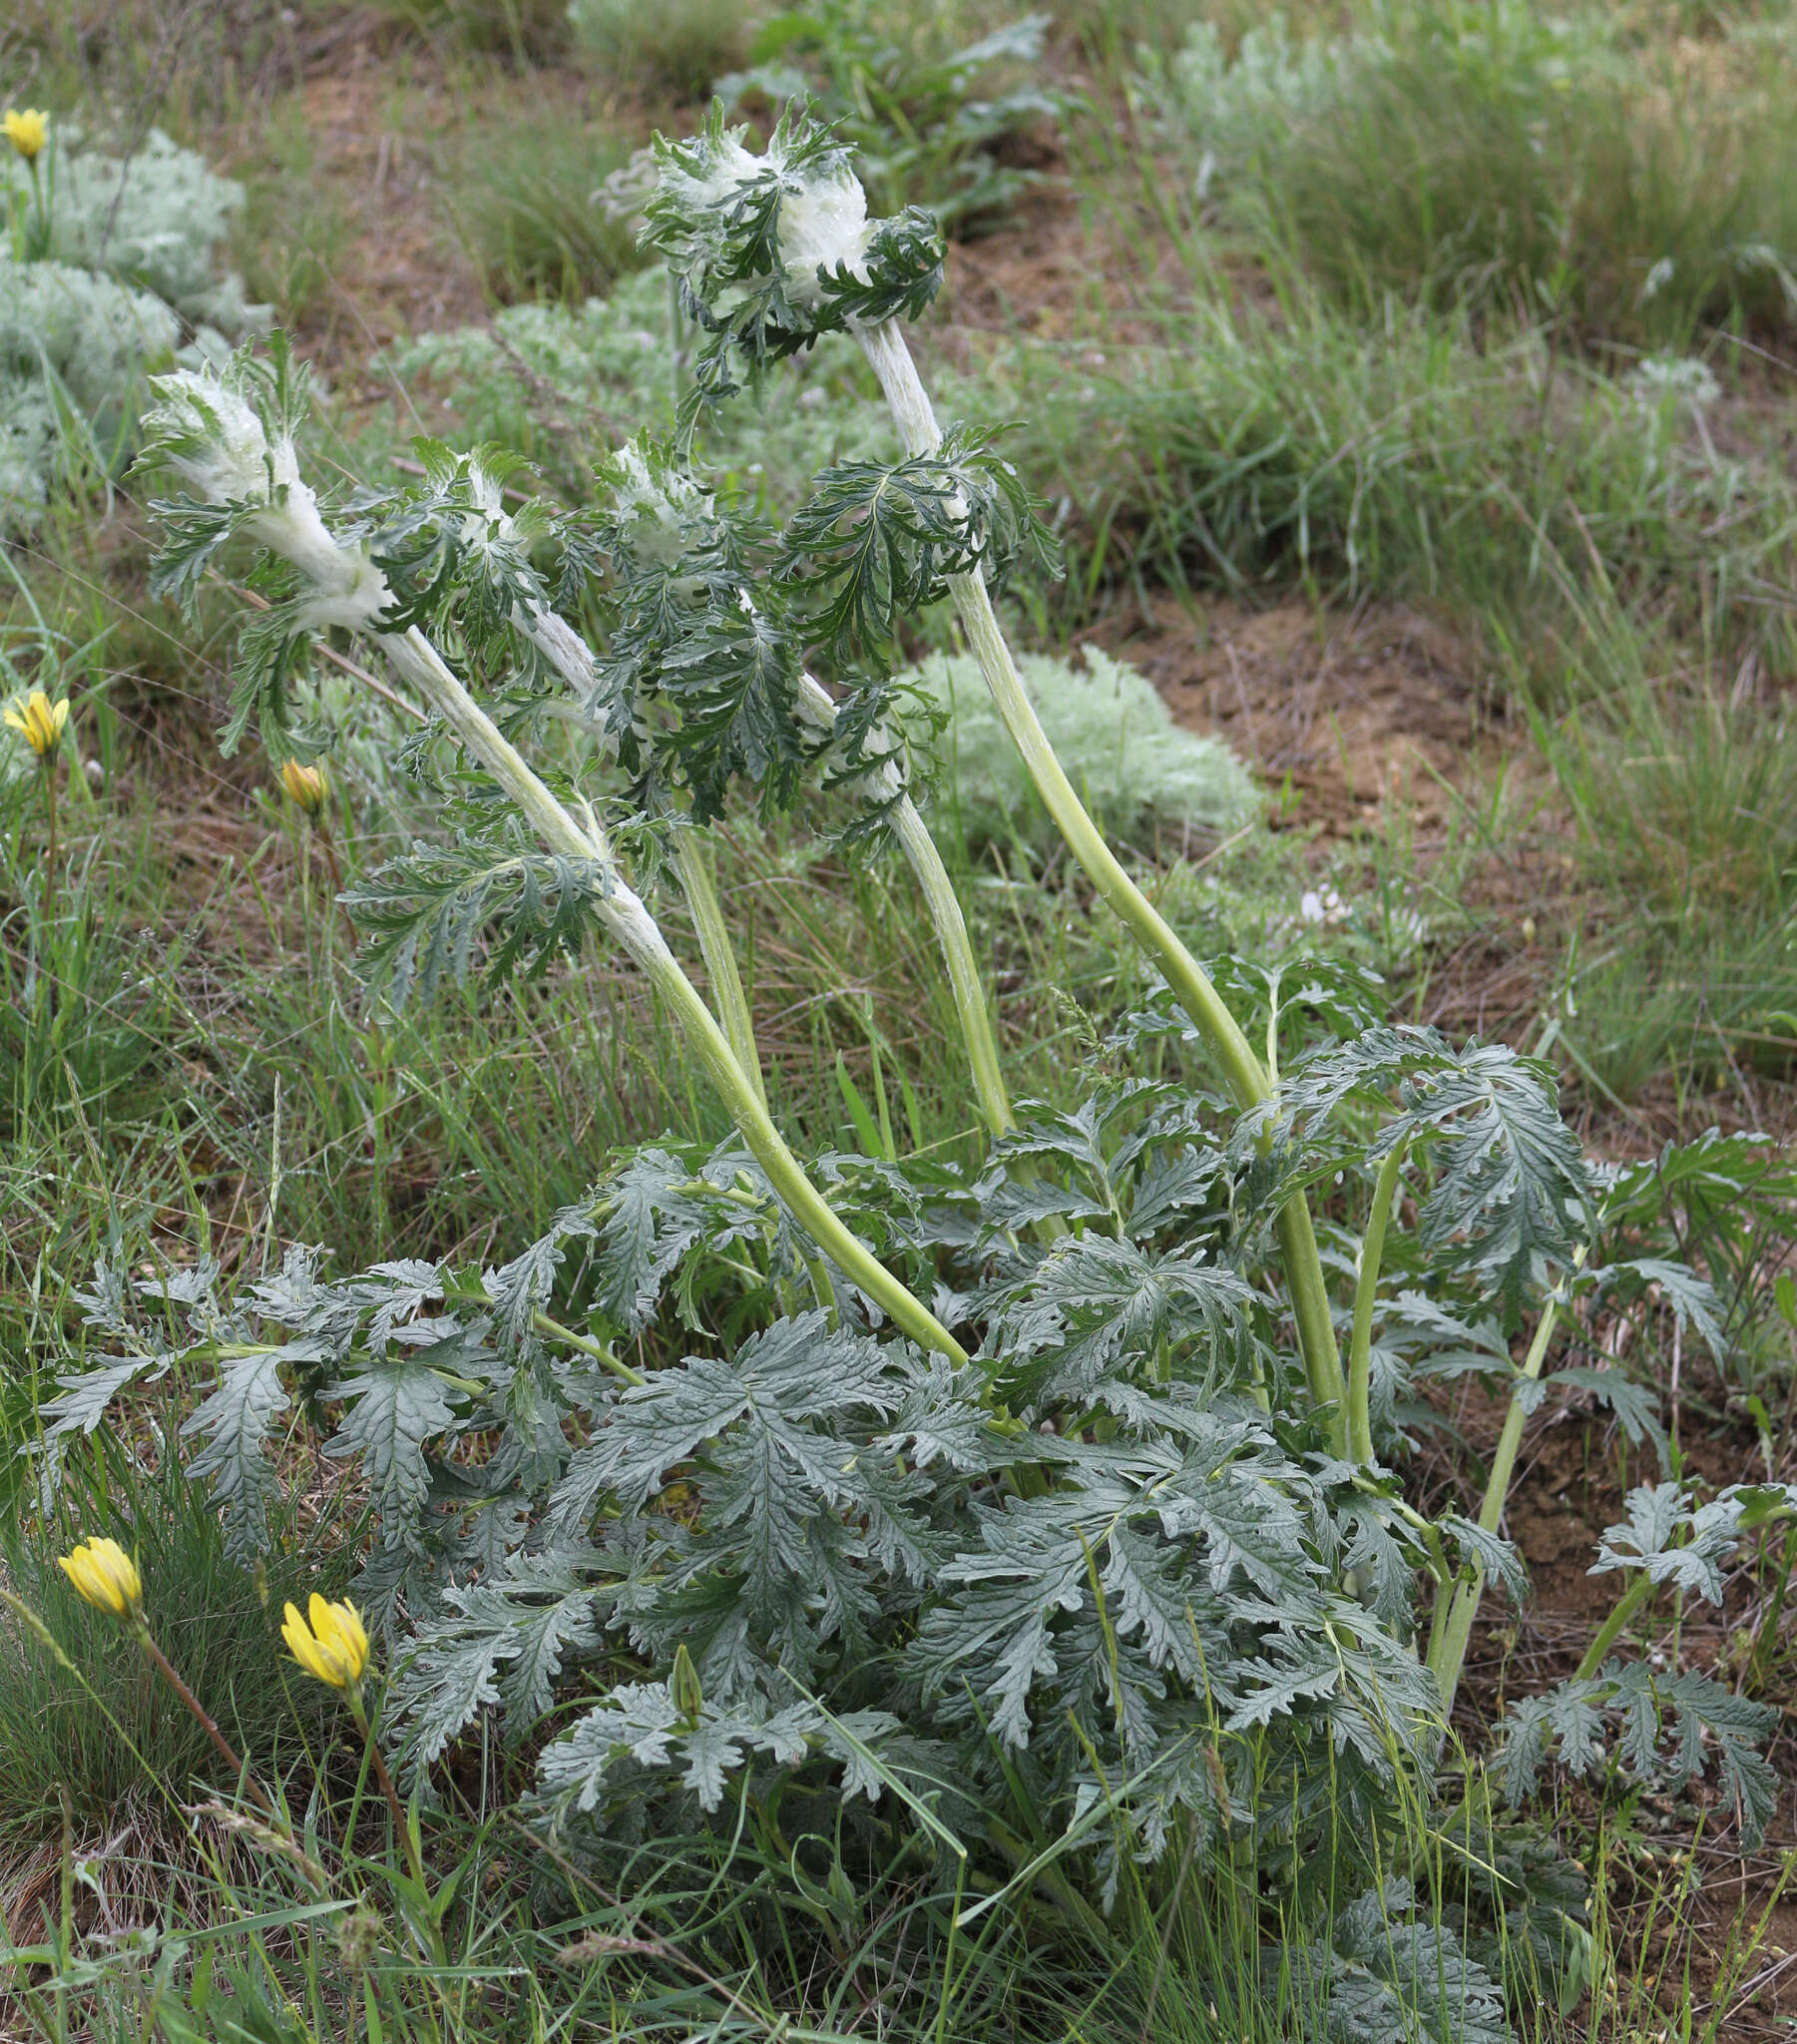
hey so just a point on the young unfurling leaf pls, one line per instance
(876, 543)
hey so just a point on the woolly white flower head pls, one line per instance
(215, 440)
(824, 225)
(730, 168)
(821, 222)
(209, 434)
(659, 499)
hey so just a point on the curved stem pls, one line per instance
(408, 1844)
(965, 982)
(1360, 1346)
(571, 657)
(1242, 1070)
(1639, 1592)
(206, 1722)
(625, 915)
(694, 865)
(887, 783)
(1448, 1648)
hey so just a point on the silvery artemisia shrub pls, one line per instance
(1137, 769)
(130, 281)
(1096, 1573)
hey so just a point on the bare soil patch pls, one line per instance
(1339, 713)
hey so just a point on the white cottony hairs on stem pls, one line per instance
(661, 502)
(240, 466)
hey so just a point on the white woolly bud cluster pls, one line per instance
(214, 441)
(663, 505)
(220, 448)
(730, 168)
(822, 222)
(822, 226)
(489, 503)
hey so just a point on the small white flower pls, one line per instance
(1682, 377)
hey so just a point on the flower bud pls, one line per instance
(334, 1647)
(306, 787)
(40, 719)
(683, 1688)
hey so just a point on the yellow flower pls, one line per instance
(306, 786)
(27, 130)
(106, 1576)
(41, 719)
(334, 1647)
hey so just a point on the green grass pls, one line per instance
(673, 51)
(294, 228)
(1677, 782)
(856, 1929)
(240, 1075)
(72, 1730)
(527, 32)
(1517, 163)
(527, 200)
(1268, 449)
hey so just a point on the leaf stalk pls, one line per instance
(1449, 1641)
(1248, 1083)
(636, 929)
(1366, 1288)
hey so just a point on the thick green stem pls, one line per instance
(807, 1203)
(569, 654)
(720, 960)
(1448, 1650)
(1639, 1592)
(1246, 1078)
(1360, 1347)
(886, 783)
(965, 984)
(630, 922)
(571, 657)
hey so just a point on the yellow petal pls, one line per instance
(300, 1642)
(108, 1584)
(75, 1567)
(27, 131)
(355, 1633)
(340, 1635)
(117, 1569)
